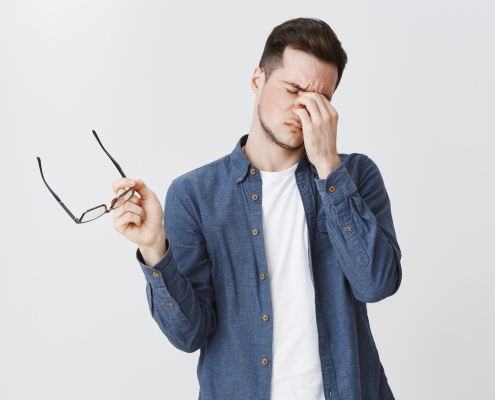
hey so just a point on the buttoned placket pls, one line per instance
(251, 185)
(307, 188)
(252, 188)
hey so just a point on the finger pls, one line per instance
(122, 183)
(134, 199)
(120, 191)
(333, 112)
(129, 207)
(144, 191)
(304, 117)
(323, 104)
(312, 107)
(122, 223)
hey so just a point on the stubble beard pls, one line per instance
(271, 136)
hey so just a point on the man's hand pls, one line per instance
(140, 220)
(319, 120)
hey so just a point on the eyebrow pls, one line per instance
(296, 86)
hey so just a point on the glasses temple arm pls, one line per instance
(54, 195)
(108, 154)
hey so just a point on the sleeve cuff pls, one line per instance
(337, 185)
(161, 271)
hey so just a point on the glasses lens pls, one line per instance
(122, 198)
(92, 214)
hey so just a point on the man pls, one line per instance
(268, 256)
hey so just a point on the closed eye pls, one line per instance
(290, 91)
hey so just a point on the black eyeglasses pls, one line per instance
(98, 211)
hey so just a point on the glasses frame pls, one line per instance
(107, 209)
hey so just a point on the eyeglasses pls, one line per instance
(98, 211)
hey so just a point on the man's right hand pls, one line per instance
(140, 220)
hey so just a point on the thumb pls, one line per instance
(144, 191)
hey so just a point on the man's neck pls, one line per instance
(268, 156)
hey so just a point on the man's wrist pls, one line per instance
(153, 254)
(324, 169)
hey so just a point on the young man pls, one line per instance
(268, 256)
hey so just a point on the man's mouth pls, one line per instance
(294, 126)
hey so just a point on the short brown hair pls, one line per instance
(310, 35)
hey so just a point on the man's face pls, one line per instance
(300, 72)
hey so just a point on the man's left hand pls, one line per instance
(319, 125)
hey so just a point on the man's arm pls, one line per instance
(180, 302)
(361, 229)
(359, 220)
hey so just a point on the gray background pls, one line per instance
(166, 86)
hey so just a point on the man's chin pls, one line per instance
(291, 143)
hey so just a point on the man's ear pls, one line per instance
(257, 80)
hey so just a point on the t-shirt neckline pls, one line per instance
(278, 174)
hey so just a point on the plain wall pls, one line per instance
(166, 86)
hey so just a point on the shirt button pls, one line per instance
(253, 171)
(171, 303)
(264, 361)
(255, 232)
(331, 189)
(155, 273)
(347, 229)
(262, 276)
(265, 317)
(254, 197)
(239, 179)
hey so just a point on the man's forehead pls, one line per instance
(308, 73)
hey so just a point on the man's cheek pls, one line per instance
(269, 108)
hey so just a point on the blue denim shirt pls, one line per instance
(212, 287)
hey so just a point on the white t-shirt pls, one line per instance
(296, 368)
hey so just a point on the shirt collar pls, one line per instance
(241, 164)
